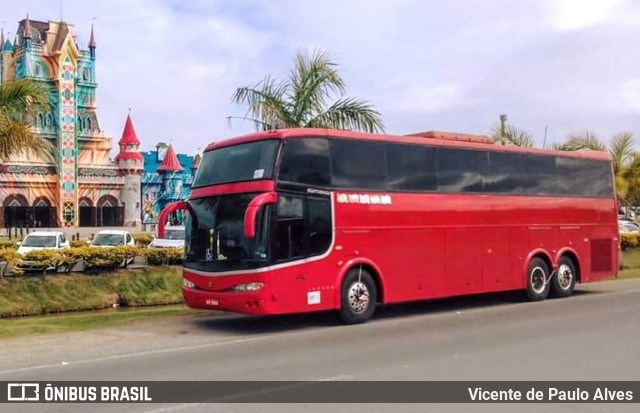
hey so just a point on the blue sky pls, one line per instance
(568, 65)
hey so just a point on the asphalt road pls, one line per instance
(593, 335)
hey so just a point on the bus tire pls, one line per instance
(564, 282)
(358, 296)
(537, 277)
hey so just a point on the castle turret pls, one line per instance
(26, 58)
(92, 45)
(195, 164)
(172, 178)
(131, 164)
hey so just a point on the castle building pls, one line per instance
(82, 187)
(167, 177)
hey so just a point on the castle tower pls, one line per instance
(131, 165)
(172, 178)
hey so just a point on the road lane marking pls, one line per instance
(145, 353)
(373, 325)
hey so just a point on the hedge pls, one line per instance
(96, 259)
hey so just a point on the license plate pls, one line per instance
(211, 302)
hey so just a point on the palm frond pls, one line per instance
(349, 114)
(313, 81)
(20, 101)
(18, 138)
(511, 135)
(25, 95)
(304, 98)
(621, 150)
(583, 140)
(265, 103)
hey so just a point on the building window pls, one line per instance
(49, 121)
(40, 121)
(88, 123)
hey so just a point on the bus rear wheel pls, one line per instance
(564, 282)
(358, 297)
(538, 280)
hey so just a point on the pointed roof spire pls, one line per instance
(2, 37)
(92, 38)
(8, 47)
(196, 162)
(170, 162)
(27, 28)
(15, 41)
(129, 136)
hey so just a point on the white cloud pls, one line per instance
(425, 65)
(579, 14)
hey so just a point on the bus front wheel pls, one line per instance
(538, 280)
(358, 296)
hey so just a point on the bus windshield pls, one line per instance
(215, 238)
(244, 162)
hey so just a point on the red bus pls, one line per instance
(301, 220)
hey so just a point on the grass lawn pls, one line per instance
(61, 323)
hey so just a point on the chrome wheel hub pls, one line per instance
(565, 276)
(538, 280)
(358, 297)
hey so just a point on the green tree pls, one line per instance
(312, 96)
(581, 140)
(511, 135)
(20, 102)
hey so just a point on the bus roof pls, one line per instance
(433, 138)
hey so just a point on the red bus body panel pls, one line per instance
(421, 245)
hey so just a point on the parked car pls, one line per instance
(626, 227)
(41, 240)
(112, 238)
(174, 236)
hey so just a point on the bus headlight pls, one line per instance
(248, 287)
(187, 284)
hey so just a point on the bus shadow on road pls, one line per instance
(241, 324)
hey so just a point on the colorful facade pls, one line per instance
(82, 187)
(167, 177)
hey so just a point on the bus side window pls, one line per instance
(288, 230)
(319, 225)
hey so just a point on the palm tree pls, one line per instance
(312, 96)
(581, 140)
(621, 151)
(510, 135)
(20, 101)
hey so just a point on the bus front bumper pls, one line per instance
(244, 303)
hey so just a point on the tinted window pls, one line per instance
(583, 177)
(504, 173)
(244, 162)
(306, 161)
(288, 231)
(461, 170)
(358, 165)
(319, 225)
(538, 174)
(412, 167)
